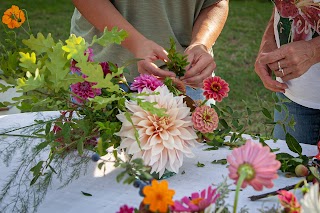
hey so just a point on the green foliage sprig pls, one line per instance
(178, 61)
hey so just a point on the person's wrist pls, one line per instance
(134, 45)
(315, 45)
(196, 45)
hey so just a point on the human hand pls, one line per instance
(150, 52)
(294, 59)
(201, 65)
(265, 74)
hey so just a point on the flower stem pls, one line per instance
(243, 175)
(204, 102)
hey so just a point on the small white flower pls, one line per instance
(311, 201)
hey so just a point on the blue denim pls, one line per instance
(307, 128)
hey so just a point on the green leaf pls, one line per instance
(200, 164)
(32, 83)
(229, 110)
(148, 106)
(121, 176)
(315, 172)
(293, 144)
(42, 145)
(102, 102)
(36, 170)
(283, 156)
(58, 69)
(266, 113)
(177, 61)
(40, 44)
(86, 194)
(114, 36)
(100, 165)
(221, 161)
(34, 179)
(277, 107)
(223, 123)
(80, 146)
(136, 134)
(52, 169)
(211, 148)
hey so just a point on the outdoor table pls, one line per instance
(108, 195)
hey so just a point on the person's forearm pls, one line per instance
(102, 13)
(268, 42)
(209, 24)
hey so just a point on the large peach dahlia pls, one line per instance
(164, 140)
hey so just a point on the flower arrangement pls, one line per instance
(151, 120)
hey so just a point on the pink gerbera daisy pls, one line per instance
(198, 202)
(289, 201)
(205, 119)
(257, 162)
(84, 90)
(145, 81)
(215, 88)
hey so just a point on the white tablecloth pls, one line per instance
(108, 195)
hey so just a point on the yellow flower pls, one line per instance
(158, 196)
(13, 17)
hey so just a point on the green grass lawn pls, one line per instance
(235, 50)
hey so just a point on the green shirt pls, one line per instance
(157, 20)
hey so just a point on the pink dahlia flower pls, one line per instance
(215, 88)
(125, 209)
(74, 68)
(257, 161)
(84, 90)
(163, 140)
(105, 68)
(289, 201)
(89, 51)
(77, 70)
(205, 119)
(145, 81)
(198, 202)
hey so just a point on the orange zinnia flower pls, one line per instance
(158, 196)
(13, 17)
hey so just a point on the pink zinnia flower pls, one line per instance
(216, 88)
(125, 209)
(163, 140)
(198, 202)
(145, 81)
(205, 119)
(84, 90)
(289, 201)
(257, 161)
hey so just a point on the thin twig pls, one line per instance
(287, 188)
